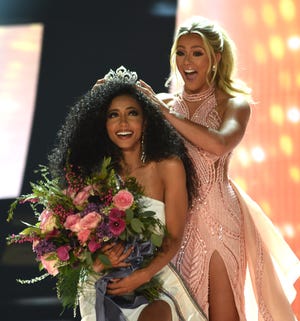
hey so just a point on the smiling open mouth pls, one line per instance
(190, 72)
(124, 133)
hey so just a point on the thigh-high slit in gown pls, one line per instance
(260, 265)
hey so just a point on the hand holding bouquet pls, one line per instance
(75, 224)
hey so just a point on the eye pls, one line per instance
(179, 53)
(112, 114)
(197, 53)
(133, 112)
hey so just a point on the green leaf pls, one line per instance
(156, 239)
(41, 267)
(122, 236)
(88, 258)
(67, 286)
(104, 259)
(30, 230)
(104, 168)
(28, 224)
(148, 213)
(152, 289)
(11, 210)
(137, 225)
(129, 215)
(51, 256)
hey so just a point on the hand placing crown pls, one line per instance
(126, 76)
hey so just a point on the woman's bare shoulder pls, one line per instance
(228, 104)
(171, 167)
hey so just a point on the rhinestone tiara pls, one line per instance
(123, 74)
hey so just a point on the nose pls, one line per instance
(123, 119)
(187, 59)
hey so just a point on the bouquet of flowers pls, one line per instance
(75, 222)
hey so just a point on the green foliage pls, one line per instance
(151, 290)
(137, 225)
(157, 239)
(67, 286)
(104, 259)
(48, 191)
(72, 270)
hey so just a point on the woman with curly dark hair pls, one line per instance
(84, 141)
(117, 120)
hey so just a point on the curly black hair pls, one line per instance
(83, 141)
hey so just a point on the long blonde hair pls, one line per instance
(215, 40)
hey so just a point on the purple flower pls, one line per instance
(103, 231)
(43, 247)
(91, 207)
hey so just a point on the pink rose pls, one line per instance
(123, 199)
(63, 252)
(83, 236)
(73, 222)
(49, 265)
(94, 245)
(90, 221)
(83, 196)
(48, 221)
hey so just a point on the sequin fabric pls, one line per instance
(215, 221)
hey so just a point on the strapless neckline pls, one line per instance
(154, 200)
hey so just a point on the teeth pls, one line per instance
(189, 71)
(124, 133)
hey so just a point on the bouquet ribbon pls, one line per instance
(108, 308)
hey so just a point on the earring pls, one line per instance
(213, 68)
(143, 154)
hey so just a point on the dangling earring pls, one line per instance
(143, 154)
(213, 68)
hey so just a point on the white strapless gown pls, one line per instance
(182, 305)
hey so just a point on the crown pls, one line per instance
(123, 74)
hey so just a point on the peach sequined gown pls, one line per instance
(217, 223)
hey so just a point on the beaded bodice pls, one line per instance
(225, 220)
(210, 168)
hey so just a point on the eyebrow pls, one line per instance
(127, 108)
(198, 46)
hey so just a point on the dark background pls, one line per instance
(82, 40)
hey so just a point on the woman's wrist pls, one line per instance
(169, 110)
(146, 275)
(176, 114)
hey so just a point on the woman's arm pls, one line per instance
(219, 141)
(216, 141)
(176, 200)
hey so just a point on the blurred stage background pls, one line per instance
(51, 52)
